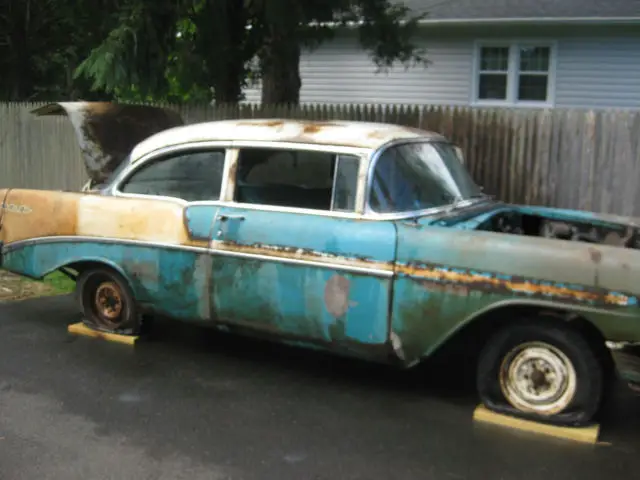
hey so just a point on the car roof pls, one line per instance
(364, 135)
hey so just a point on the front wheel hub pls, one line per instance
(538, 378)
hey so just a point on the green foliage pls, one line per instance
(133, 58)
(387, 31)
(180, 50)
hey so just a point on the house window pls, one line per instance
(494, 73)
(514, 74)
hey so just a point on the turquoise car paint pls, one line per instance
(173, 281)
(345, 305)
(199, 220)
(484, 271)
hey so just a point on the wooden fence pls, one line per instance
(562, 158)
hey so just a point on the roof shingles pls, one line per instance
(523, 9)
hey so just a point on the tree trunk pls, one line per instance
(222, 26)
(280, 75)
(228, 87)
(20, 86)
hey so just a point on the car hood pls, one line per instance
(107, 132)
(545, 222)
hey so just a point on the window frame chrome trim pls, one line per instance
(368, 159)
(228, 183)
(363, 154)
(136, 165)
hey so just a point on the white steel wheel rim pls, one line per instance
(538, 378)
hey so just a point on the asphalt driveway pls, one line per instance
(195, 404)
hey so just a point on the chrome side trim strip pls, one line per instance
(306, 263)
(377, 272)
(85, 239)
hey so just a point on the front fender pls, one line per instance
(447, 278)
(615, 324)
(426, 317)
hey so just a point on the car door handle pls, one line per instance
(224, 218)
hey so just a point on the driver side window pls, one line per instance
(191, 176)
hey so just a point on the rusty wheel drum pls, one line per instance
(107, 302)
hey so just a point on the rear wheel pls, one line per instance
(107, 301)
(541, 372)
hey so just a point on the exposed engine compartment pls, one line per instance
(518, 223)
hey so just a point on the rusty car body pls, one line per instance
(369, 240)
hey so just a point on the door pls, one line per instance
(170, 263)
(298, 264)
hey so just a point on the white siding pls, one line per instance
(341, 72)
(598, 73)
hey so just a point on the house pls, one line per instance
(531, 53)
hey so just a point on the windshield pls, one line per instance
(418, 176)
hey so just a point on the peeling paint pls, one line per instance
(202, 286)
(596, 255)
(301, 254)
(336, 295)
(489, 281)
(396, 344)
(363, 135)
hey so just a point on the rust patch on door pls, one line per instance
(596, 255)
(336, 295)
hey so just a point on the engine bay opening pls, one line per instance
(517, 223)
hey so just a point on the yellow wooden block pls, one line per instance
(81, 329)
(578, 434)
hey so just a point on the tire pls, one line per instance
(107, 302)
(541, 372)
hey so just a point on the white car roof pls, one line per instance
(335, 133)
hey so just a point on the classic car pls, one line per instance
(363, 239)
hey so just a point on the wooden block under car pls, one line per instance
(578, 434)
(81, 329)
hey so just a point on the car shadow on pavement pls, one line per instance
(444, 377)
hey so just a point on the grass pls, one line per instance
(15, 287)
(60, 283)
